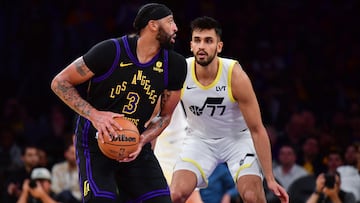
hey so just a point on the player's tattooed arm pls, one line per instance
(64, 86)
(81, 68)
(169, 100)
(164, 99)
(70, 95)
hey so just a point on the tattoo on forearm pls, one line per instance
(81, 67)
(70, 96)
(161, 122)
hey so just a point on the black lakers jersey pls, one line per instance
(124, 85)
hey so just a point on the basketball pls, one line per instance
(123, 143)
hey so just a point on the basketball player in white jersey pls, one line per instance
(224, 123)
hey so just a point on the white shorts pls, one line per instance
(169, 142)
(202, 155)
(167, 150)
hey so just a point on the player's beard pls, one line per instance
(164, 39)
(205, 62)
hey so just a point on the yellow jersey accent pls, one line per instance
(160, 70)
(86, 187)
(197, 165)
(231, 67)
(122, 64)
(213, 83)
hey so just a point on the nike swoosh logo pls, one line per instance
(189, 88)
(122, 64)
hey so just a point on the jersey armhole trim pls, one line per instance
(166, 69)
(231, 67)
(113, 66)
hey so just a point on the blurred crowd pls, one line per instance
(303, 58)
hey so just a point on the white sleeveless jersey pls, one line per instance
(211, 110)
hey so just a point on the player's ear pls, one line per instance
(153, 24)
(220, 46)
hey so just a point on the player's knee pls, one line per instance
(250, 196)
(178, 196)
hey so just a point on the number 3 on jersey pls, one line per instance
(133, 99)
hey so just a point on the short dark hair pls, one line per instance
(206, 23)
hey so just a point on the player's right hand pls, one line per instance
(105, 124)
(279, 191)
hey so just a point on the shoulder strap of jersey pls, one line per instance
(166, 67)
(114, 64)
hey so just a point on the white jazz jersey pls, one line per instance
(211, 110)
(216, 131)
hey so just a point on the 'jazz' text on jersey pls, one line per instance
(212, 103)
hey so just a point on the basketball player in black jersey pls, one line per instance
(125, 77)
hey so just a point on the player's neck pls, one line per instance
(146, 48)
(207, 74)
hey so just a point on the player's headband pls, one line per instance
(151, 11)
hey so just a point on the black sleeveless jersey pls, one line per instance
(124, 85)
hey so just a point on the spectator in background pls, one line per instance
(325, 140)
(354, 120)
(310, 157)
(50, 133)
(303, 187)
(300, 125)
(333, 160)
(38, 189)
(15, 175)
(65, 177)
(287, 171)
(59, 130)
(294, 131)
(10, 151)
(328, 190)
(350, 155)
(309, 122)
(340, 128)
(43, 158)
(349, 172)
(15, 115)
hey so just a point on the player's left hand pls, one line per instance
(279, 191)
(135, 154)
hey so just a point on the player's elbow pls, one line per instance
(54, 83)
(57, 84)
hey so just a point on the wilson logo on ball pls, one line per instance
(123, 138)
(125, 142)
